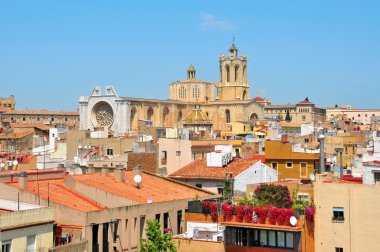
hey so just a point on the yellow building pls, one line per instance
(346, 217)
(28, 230)
(347, 143)
(290, 165)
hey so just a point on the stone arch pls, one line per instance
(228, 73)
(244, 95)
(236, 73)
(253, 117)
(228, 116)
(165, 116)
(149, 114)
(179, 117)
(133, 120)
(244, 73)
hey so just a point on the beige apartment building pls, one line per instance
(362, 116)
(27, 230)
(67, 119)
(346, 216)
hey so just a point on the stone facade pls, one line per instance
(121, 114)
(7, 103)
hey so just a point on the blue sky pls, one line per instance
(52, 52)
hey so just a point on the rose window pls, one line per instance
(102, 114)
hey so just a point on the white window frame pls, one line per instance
(286, 165)
(4, 243)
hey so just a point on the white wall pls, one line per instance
(368, 176)
(213, 230)
(257, 173)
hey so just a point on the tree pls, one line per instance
(156, 242)
(288, 118)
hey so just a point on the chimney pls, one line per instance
(120, 173)
(105, 170)
(23, 180)
(90, 168)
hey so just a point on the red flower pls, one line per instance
(310, 213)
(240, 212)
(228, 210)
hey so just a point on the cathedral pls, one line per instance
(194, 102)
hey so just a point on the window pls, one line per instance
(289, 240)
(164, 154)
(31, 243)
(198, 185)
(38, 119)
(6, 246)
(338, 213)
(109, 152)
(281, 239)
(178, 153)
(52, 119)
(263, 238)
(228, 117)
(23, 119)
(289, 164)
(303, 196)
(338, 249)
(272, 238)
(194, 155)
(376, 176)
(66, 119)
(274, 165)
(220, 190)
(303, 118)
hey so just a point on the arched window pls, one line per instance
(133, 117)
(228, 73)
(150, 113)
(244, 95)
(228, 116)
(236, 72)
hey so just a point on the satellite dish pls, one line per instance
(312, 177)
(15, 162)
(150, 200)
(78, 171)
(137, 179)
(2, 165)
(293, 221)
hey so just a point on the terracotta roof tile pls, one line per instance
(158, 188)
(41, 112)
(60, 194)
(31, 125)
(16, 135)
(199, 169)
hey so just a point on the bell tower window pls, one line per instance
(228, 73)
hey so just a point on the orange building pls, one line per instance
(290, 165)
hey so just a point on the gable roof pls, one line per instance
(153, 186)
(198, 169)
(57, 192)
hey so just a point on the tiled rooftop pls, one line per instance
(31, 125)
(16, 135)
(60, 194)
(158, 188)
(41, 112)
(199, 169)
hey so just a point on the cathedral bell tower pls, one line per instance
(233, 84)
